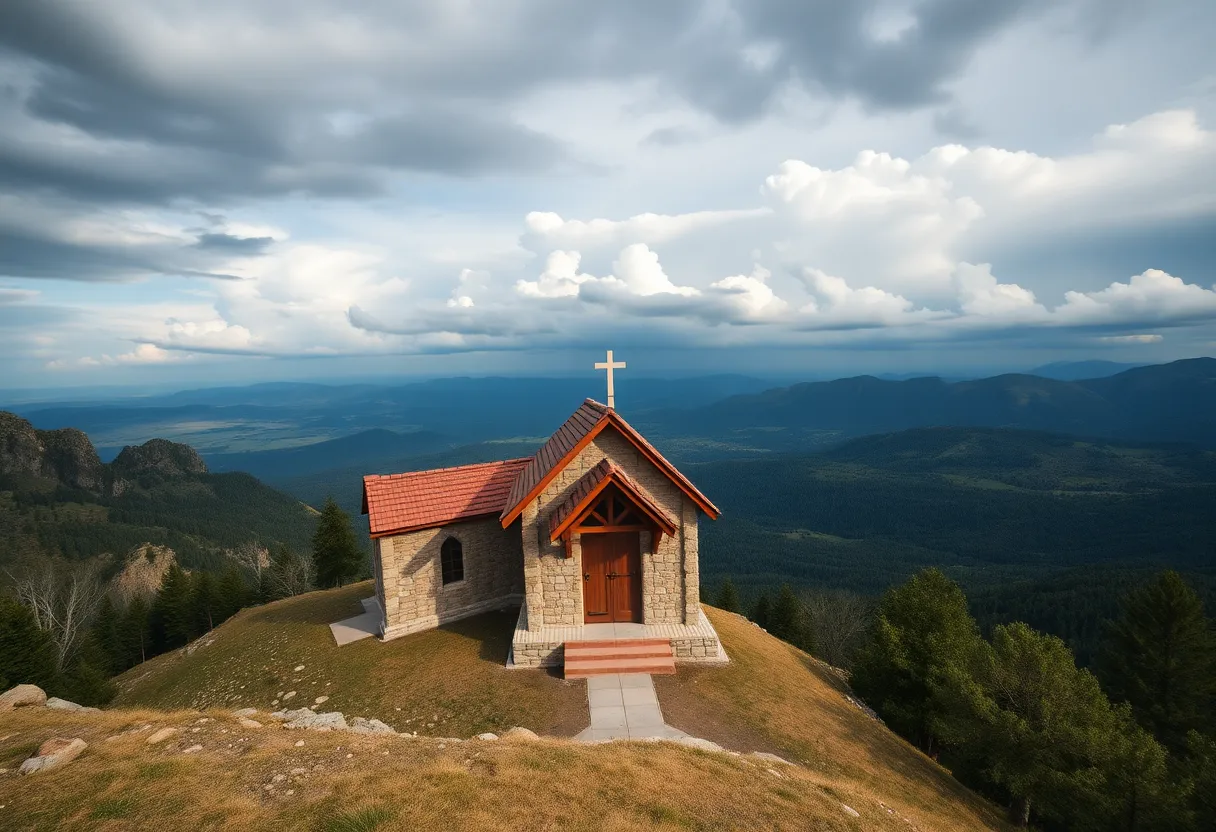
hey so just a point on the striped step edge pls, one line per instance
(599, 667)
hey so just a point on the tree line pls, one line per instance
(63, 628)
(1130, 745)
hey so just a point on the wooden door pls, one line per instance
(596, 606)
(612, 577)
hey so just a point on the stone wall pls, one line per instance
(414, 595)
(670, 577)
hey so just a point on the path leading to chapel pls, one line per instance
(624, 706)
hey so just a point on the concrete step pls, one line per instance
(593, 658)
(621, 648)
(582, 668)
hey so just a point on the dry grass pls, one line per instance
(449, 682)
(347, 783)
(774, 697)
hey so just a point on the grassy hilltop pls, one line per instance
(451, 683)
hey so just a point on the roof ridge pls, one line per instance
(464, 467)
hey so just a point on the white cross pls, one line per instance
(610, 365)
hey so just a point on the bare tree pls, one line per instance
(63, 598)
(251, 556)
(839, 620)
(291, 574)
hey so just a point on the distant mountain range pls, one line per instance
(1168, 402)
(1077, 370)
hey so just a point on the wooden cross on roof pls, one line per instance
(610, 365)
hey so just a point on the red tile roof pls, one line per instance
(582, 422)
(588, 486)
(577, 431)
(398, 503)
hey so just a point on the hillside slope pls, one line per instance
(451, 683)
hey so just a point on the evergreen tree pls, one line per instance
(762, 611)
(1050, 738)
(27, 654)
(920, 644)
(107, 635)
(1160, 657)
(335, 550)
(207, 603)
(87, 680)
(1200, 760)
(728, 597)
(234, 593)
(788, 619)
(172, 614)
(135, 633)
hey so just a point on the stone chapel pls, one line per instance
(594, 538)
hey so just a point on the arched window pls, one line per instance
(451, 559)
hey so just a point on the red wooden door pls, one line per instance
(625, 577)
(596, 608)
(612, 577)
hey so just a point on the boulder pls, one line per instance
(53, 753)
(245, 712)
(22, 696)
(697, 742)
(487, 736)
(850, 811)
(246, 722)
(288, 716)
(161, 735)
(317, 722)
(370, 726)
(520, 734)
(57, 704)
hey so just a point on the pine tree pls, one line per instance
(172, 614)
(206, 602)
(136, 633)
(728, 597)
(335, 550)
(1160, 657)
(921, 641)
(27, 654)
(107, 635)
(788, 619)
(234, 593)
(762, 611)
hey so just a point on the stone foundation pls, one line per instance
(429, 622)
(544, 647)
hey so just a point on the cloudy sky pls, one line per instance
(261, 189)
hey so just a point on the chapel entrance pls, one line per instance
(612, 577)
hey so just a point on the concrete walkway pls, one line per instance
(360, 626)
(624, 706)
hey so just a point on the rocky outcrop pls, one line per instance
(157, 456)
(57, 704)
(143, 572)
(22, 696)
(53, 753)
(65, 455)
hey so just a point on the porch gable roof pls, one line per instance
(588, 488)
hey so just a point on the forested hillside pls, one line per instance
(57, 498)
(1040, 527)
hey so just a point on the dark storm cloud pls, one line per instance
(229, 244)
(107, 76)
(27, 255)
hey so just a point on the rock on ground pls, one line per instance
(850, 811)
(317, 722)
(520, 734)
(487, 736)
(245, 712)
(57, 704)
(246, 722)
(53, 753)
(22, 696)
(370, 726)
(161, 735)
(697, 742)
